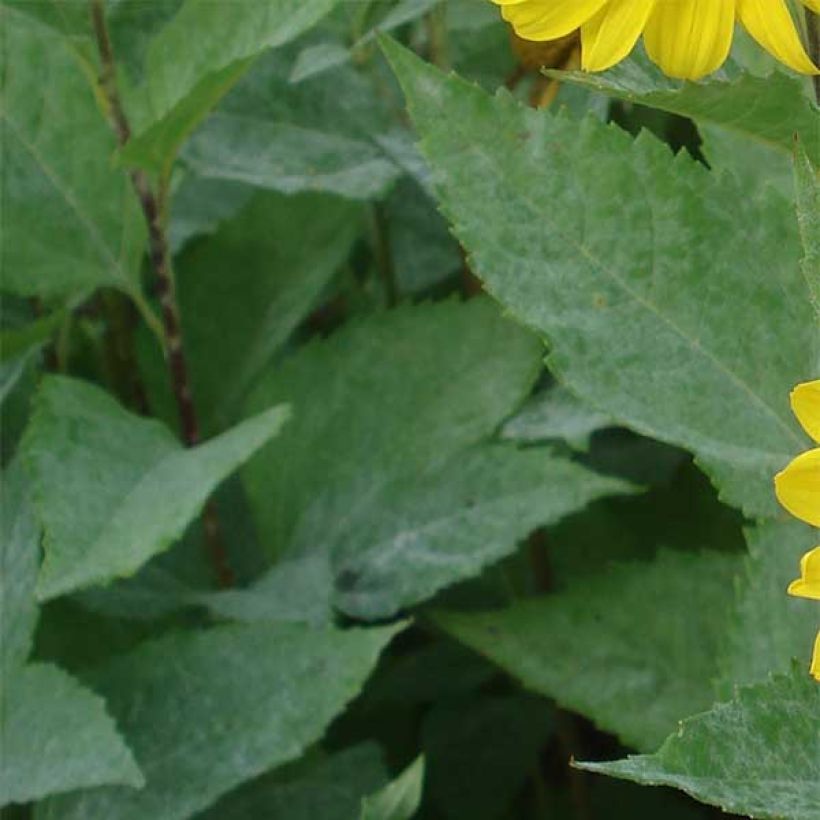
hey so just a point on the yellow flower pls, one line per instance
(686, 38)
(808, 584)
(798, 489)
(798, 486)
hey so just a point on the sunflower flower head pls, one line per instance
(798, 490)
(688, 39)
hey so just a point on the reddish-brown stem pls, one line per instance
(160, 258)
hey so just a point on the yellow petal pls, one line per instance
(611, 34)
(806, 405)
(798, 487)
(808, 584)
(690, 38)
(771, 24)
(815, 660)
(549, 19)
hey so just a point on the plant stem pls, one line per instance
(383, 255)
(153, 209)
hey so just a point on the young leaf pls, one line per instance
(633, 648)
(197, 57)
(205, 711)
(71, 220)
(398, 800)
(768, 629)
(758, 756)
(112, 489)
(685, 289)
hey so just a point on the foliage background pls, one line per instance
(454, 540)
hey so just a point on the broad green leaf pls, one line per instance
(200, 206)
(481, 750)
(686, 289)
(425, 531)
(299, 589)
(19, 556)
(769, 110)
(205, 711)
(555, 415)
(313, 136)
(808, 217)
(768, 628)
(196, 58)
(398, 800)
(384, 398)
(424, 253)
(256, 279)
(112, 489)
(325, 789)
(757, 756)
(71, 220)
(398, 503)
(633, 648)
(57, 737)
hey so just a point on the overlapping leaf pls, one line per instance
(672, 302)
(56, 734)
(757, 756)
(196, 58)
(633, 648)
(387, 476)
(313, 136)
(71, 220)
(113, 489)
(205, 711)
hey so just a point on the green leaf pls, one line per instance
(325, 789)
(56, 734)
(398, 800)
(71, 220)
(768, 628)
(384, 398)
(555, 415)
(807, 189)
(57, 737)
(481, 750)
(256, 279)
(758, 756)
(205, 711)
(384, 478)
(197, 57)
(312, 136)
(768, 110)
(531, 197)
(426, 531)
(19, 557)
(112, 489)
(633, 648)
